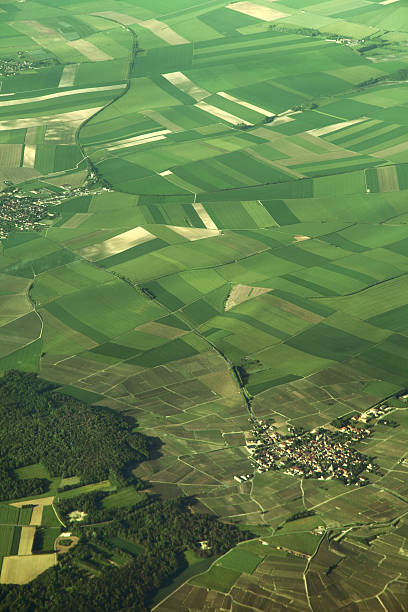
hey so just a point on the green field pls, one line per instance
(37, 470)
(127, 496)
(219, 578)
(134, 549)
(104, 485)
(10, 537)
(49, 518)
(45, 539)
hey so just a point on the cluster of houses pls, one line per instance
(12, 66)
(25, 211)
(320, 453)
(243, 477)
(375, 413)
(20, 212)
(345, 41)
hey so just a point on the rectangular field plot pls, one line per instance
(126, 497)
(9, 515)
(9, 540)
(26, 541)
(241, 560)
(218, 578)
(21, 570)
(256, 10)
(93, 313)
(36, 470)
(117, 244)
(89, 50)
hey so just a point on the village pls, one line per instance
(26, 211)
(12, 66)
(20, 212)
(323, 453)
(320, 453)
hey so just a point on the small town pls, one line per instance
(320, 453)
(323, 453)
(23, 211)
(20, 212)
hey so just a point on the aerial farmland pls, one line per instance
(203, 305)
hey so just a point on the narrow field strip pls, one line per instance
(40, 501)
(89, 50)
(138, 140)
(73, 118)
(204, 216)
(257, 109)
(29, 155)
(163, 31)
(179, 80)
(36, 516)
(394, 150)
(31, 135)
(387, 178)
(61, 94)
(194, 233)
(26, 541)
(221, 114)
(68, 75)
(335, 127)
(76, 220)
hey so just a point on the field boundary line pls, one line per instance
(57, 515)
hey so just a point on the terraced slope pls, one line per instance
(255, 163)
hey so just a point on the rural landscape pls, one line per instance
(204, 305)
